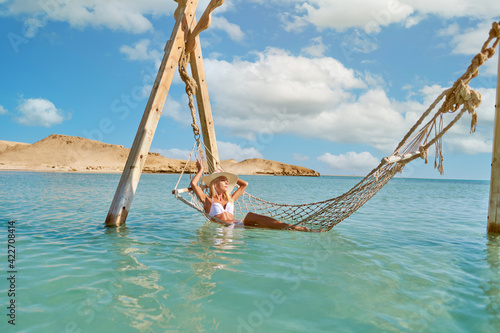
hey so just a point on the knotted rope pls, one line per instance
(459, 95)
(191, 88)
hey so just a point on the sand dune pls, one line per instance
(75, 154)
(4, 145)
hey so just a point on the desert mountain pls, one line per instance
(70, 153)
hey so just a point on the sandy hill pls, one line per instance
(4, 145)
(70, 153)
(260, 166)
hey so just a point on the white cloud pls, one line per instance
(470, 42)
(141, 51)
(39, 112)
(174, 153)
(351, 162)
(471, 145)
(373, 15)
(132, 16)
(490, 68)
(481, 9)
(374, 80)
(233, 30)
(126, 15)
(299, 96)
(414, 20)
(228, 150)
(370, 119)
(275, 81)
(369, 15)
(316, 49)
(450, 30)
(358, 42)
(173, 109)
(293, 23)
(280, 93)
(33, 24)
(3, 110)
(300, 157)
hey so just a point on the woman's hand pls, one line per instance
(241, 189)
(194, 182)
(199, 165)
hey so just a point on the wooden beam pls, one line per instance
(138, 153)
(204, 23)
(494, 203)
(204, 109)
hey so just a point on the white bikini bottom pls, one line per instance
(236, 224)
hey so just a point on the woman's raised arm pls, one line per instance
(241, 189)
(194, 182)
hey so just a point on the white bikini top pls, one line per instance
(217, 209)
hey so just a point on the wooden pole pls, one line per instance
(494, 204)
(204, 109)
(203, 24)
(138, 153)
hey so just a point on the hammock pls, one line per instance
(324, 215)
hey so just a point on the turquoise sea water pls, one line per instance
(415, 258)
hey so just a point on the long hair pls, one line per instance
(226, 195)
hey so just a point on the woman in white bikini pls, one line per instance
(219, 202)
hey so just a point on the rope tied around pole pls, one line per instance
(203, 24)
(191, 87)
(423, 153)
(459, 96)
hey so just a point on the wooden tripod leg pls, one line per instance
(133, 168)
(204, 109)
(494, 202)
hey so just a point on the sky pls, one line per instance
(326, 84)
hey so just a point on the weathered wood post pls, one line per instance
(129, 180)
(202, 99)
(494, 204)
(204, 109)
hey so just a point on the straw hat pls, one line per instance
(231, 178)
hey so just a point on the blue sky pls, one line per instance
(330, 85)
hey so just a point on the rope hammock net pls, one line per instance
(324, 215)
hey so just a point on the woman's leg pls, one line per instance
(261, 221)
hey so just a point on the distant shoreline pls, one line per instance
(109, 172)
(105, 171)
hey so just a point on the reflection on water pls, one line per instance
(492, 286)
(150, 294)
(207, 253)
(223, 239)
(134, 285)
(209, 248)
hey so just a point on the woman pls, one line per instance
(219, 203)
